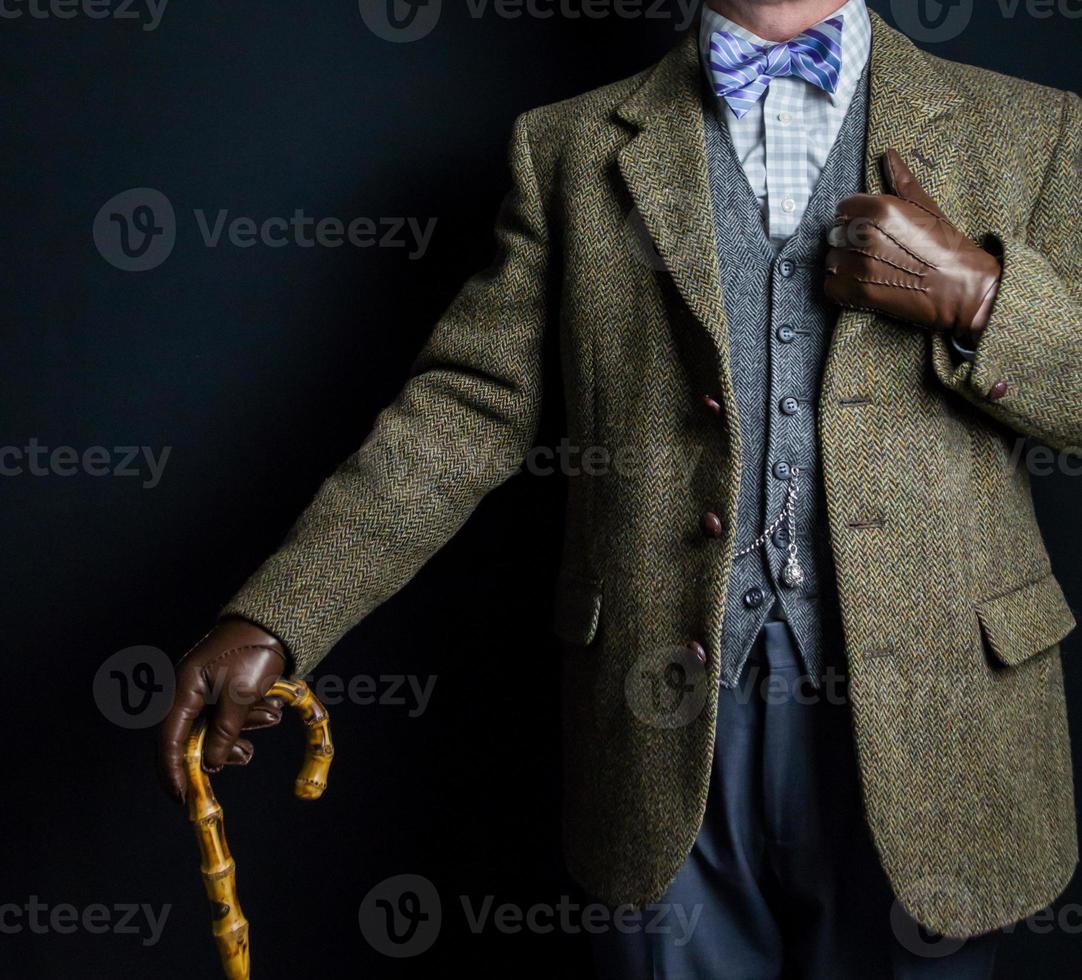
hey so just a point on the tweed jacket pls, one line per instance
(952, 617)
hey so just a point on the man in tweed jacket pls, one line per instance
(947, 610)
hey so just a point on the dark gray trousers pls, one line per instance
(783, 880)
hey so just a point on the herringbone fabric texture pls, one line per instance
(767, 292)
(951, 614)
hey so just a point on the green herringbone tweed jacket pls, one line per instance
(952, 618)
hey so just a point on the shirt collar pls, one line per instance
(856, 43)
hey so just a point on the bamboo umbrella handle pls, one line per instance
(229, 925)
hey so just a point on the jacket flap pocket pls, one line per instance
(578, 609)
(1024, 622)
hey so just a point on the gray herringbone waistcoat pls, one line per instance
(779, 329)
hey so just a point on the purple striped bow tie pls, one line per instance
(743, 71)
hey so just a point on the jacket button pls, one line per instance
(711, 525)
(711, 405)
(999, 389)
(754, 598)
(699, 650)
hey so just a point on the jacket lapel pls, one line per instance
(664, 167)
(912, 108)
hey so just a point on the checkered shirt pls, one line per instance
(783, 143)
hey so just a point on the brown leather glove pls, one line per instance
(232, 667)
(898, 254)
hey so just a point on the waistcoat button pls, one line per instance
(786, 334)
(790, 406)
(782, 471)
(787, 267)
(754, 598)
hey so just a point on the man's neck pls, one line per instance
(776, 20)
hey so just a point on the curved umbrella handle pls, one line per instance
(229, 925)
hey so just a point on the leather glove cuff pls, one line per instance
(252, 634)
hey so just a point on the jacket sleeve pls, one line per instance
(1028, 366)
(461, 425)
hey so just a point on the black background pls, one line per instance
(261, 368)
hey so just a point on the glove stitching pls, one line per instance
(891, 282)
(204, 670)
(847, 219)
(905, 248)
(929, 212)
(232, 650)
(895, 265)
